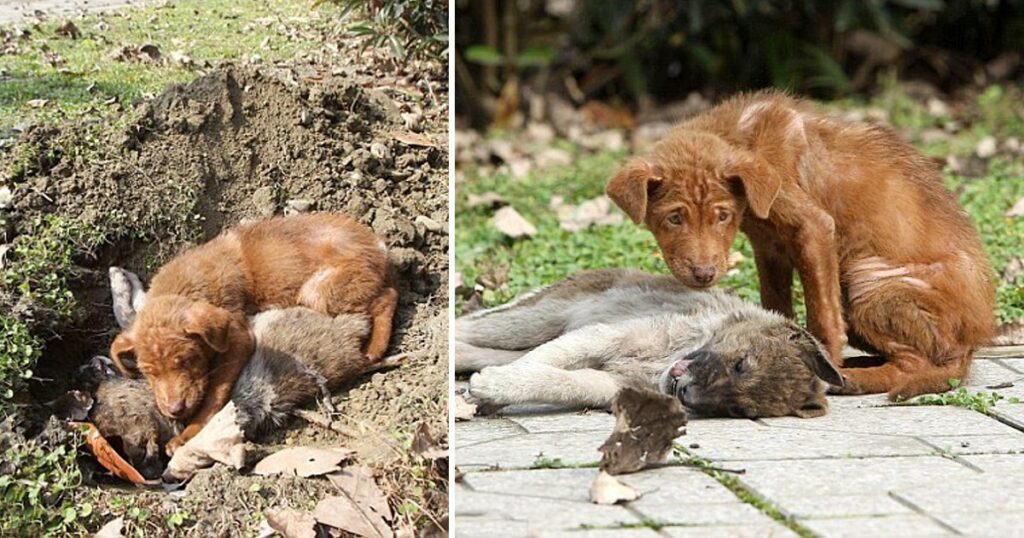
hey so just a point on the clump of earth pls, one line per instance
(242, 143)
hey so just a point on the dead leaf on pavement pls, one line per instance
(463, 409)
(303, 461)
(646, 423)
(359, 484)
(291, 523)
(1017, 209)
(606, 489)
(342, 513)
(509, 222)
(412, 139)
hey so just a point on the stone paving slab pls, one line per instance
(901, 526)
(868, 468)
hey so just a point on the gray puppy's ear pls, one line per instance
(816, 358)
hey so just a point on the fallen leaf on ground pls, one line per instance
(221, 440)
(509, 222)
(112, 529)
(412, 139)
(1010, 334)
(606, 489)
(986, 147)
(303, 461)
(291, 523)
(342, 513)
(735, 258)
(463, 409)
(358, 483)
(424, 444)
(593, 212)
(488, 199)
(646, 423)
(150, 52)
(37, 103)
(1013, 269)
(68, 29)
(1017, 209)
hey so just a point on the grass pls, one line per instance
(49, 79)
(88, 80)
(980, 401)
(741, 492)
(554, 253)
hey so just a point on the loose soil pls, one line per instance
(243, 143)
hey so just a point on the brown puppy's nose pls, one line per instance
(176, 408)
(704, 273)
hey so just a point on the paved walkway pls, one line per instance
(865, 469)
(12, 11)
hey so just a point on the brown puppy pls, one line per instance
(881, 247)
(191, 338)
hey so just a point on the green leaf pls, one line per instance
(484, 55)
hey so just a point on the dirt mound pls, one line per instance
(239, 144)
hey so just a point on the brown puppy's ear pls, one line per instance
(760, 185)
(814, 407)
(211, 323)
(122, 352)
(817, 358)
(628, 189)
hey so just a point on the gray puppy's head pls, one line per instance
(754, 368)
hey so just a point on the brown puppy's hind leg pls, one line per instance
(918, 344)
(382, 312)
(354, 287)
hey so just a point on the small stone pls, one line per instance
(429, 223)
(937, 107)
(986, 147)
(6, 197)
(297, 206)
(380, 151)
(263, 199)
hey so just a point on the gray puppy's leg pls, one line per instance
(470, 358)
(564, 371)
(127, 294)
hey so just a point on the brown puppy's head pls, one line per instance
(753, 370)
(692, 193)
(171, 343)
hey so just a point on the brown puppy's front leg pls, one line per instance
(813, 247)
(222, 380)
(774, 269)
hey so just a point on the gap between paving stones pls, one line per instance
(921, 511)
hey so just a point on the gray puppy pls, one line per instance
(577, 342)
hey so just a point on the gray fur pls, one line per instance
(578, 342)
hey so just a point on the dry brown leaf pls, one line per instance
(646, 424)
(291, 523)
(37, 103)
(1017, 209)
(358, 483)
(1010, 334)
(606, 489)
(112, 529)
(463, 409)
(68, 29)
(412, 139)
(303, 461)
(221, 440)
(488, 199)
(593, 212)
(342, 513)
(509, 222)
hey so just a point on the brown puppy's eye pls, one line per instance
(723, 216)
(675, 219)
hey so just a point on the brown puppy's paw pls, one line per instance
(174, 444)
(849, 388)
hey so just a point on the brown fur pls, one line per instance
(191, 339)
(886, 257)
